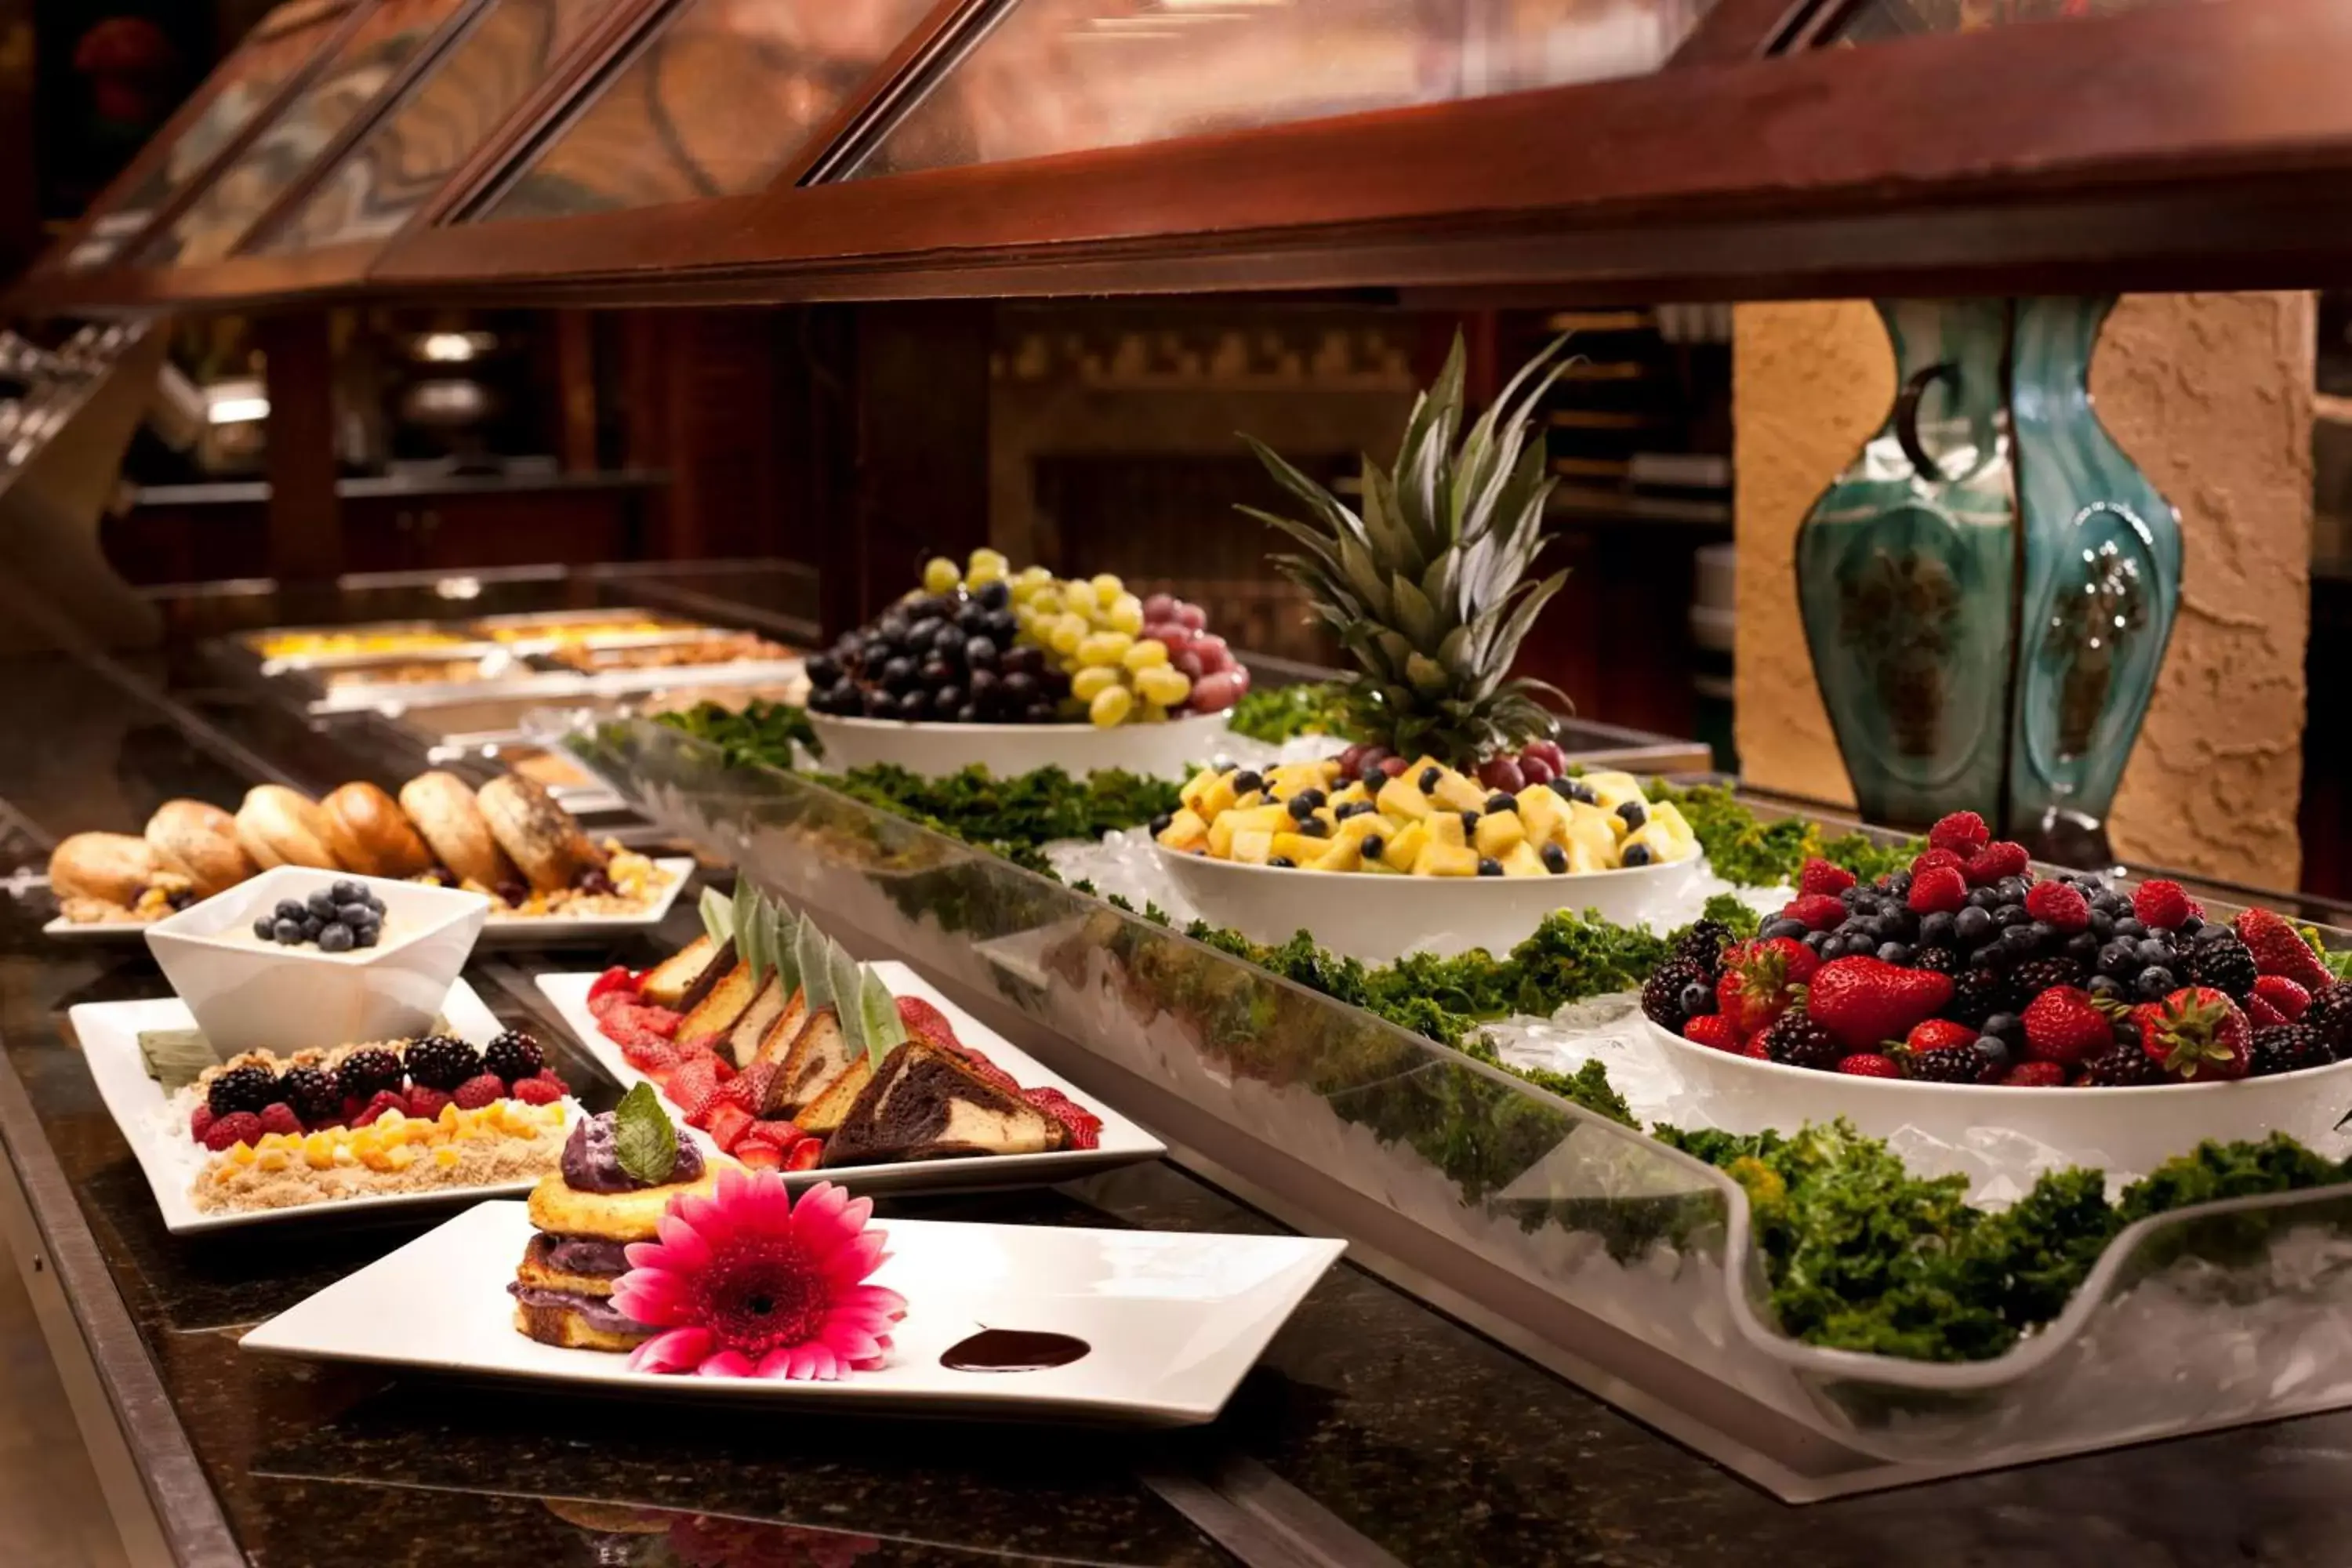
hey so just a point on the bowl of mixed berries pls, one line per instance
(1928, 998)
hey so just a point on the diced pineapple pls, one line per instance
(1655, 839)
(1196, 788)
(1447, 860)
(1665, 814)
(1402, 851)
(1298, 848)
(1253, 846)
(1613, 789)
(1543, 812)
(1459, 793)
(1446, 827)
(1521, 860)
(1339, 855)
(1187, 830)
(1350, 794)
(1499, 832)
(1362, 825)
(1402, 799)
(1600, 828)
(1379, 864)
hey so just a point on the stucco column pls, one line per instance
(2211, 394)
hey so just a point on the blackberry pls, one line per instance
(2123, 1066)
(1942, 959)
(314, 1094)
(2037, 975)
(241, 1088)
(1704, 944)
(1797, 1040)
(1976, 994)
(1662, 993)
(2330, 1013)
(442, 1062)
(2227, 965)
(2285, 1047)
(1953, 1064)
(513, 1055)
(363, 1073)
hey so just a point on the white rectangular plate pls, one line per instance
(1174, 1319)
(110, 1031)
(1123, 1142)
(501, 931)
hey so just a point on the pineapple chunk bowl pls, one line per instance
(1429, 861)
(935, 750)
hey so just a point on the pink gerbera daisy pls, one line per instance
(747, 1283)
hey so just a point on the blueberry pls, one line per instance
(2013, 889)
(354, 913)
(2103, 924)
(321, 904)
(2082, 947)
(1697, 996)
(1300, 807)
(1372, 776)
(1632, 813)
(2192, 925)
(1894, 953)
(2130, 928)
(345, 892)
(2119, 959)
(1771, 929)
(1470, 821)
(2005, 1026)
(2011, 916)
(2153, 952)
(1983, 899)
(1313, 827)
(1637, 854)
(2155, 984)
(335, 937)
(1428, 777)
(1819, 940)
(2104, 986)
(1162, 824)
(1899, 884)
(1499, 801)
(1555, 860)
(1244, 781)
(1972, 925)
(290, 909)
(287, 932)
(1938, 929)
(1313, 797)
(1283, 861)
(1490, 866)
(1354, 808)
(1373, 848)
(266, 928)
(2214, 933)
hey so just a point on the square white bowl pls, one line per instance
(251, 996)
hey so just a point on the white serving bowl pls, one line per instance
(935, 750)
(253, 996)
(2119, 1129)
(1379, 919)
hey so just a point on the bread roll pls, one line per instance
(370, 836)
(536, 834)
(280, 826)
(445, 813)
(111, 868)
(199, 841)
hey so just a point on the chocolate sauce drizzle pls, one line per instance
(1013, 1350)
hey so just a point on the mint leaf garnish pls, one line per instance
(885, 1031)
(643, 1139)
(718, 917)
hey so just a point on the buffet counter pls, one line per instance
(1376, 1427)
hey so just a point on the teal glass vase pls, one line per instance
(1988, 587)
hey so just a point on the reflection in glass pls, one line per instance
(249, 80)
(1060, 76)
(717, 104)
(439, 123)
(1879, 19)
(360, 69)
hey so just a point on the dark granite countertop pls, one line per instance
(1374, 1427)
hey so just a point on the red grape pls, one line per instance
(1534, 770)
(1187, 660)
(1177, 638)
(1502, 773)
(1550, 755)
(1351, 761)
(1393, 766)
(1216, 693)
(1160, 607)
(1240, 680)
(1191, 616)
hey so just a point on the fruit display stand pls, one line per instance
(1592, 1249)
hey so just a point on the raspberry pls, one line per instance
(1869, 1064)
(425, 1101)
(540, 1090)
(1929, 859)
(2283, 994)
(1715, 1030)
(229, 1132)
(279, 1117)
(1821, 877)
(387, 1099)
(1995, 860)
(1963, 833)
(2034, 1075)
(2163, 903)
(1816, 912)
(478, 1091)
(198, 1119)
(2060, 905)
(1937, 889)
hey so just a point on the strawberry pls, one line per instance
(2059, 905)
(1939, 1034)
(1084, 1127)
(1815, 911)
(2280, 949)
(615, 980)
(1863, 1000)
(925, 1021)
(653, 1058)
(728, 1125)
(1713, 1030)
(757, 1079)
(1927, 861)
(2034, 1075)
(2284, 994)
(2264, 1014)
(2197, 1033)
(1821, 877)
(1963, 833)
(2064, 1024)
(1869, 1064)
(805, 1154)
(2164, 903)
(1938, 889)
(1760, 981)
(774, 1132)
(757, 1156)
(694, 1084)
(1995, 860)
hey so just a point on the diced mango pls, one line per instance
(445, 1157)
(1499, 832)
(1447, 860)
(1401, 798)
(273, 1160)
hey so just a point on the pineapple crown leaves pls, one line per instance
(1427, 588)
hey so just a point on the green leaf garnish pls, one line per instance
(815, 969)
(782, 936)
(885, 1031)
(718, 917)
(643, 1138)
(844, 982)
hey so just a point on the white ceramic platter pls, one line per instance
(1123, 1142)
(2128, 1131)
(171, 1160)
(498, 930)
(1174, 1319)
(1379, 919)
(1166, 751)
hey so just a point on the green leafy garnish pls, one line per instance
(1278, 713)
(718, 917)
(643, 1139)
(782, 928)
(847, 984)
(878, 1010)
(816, 966)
